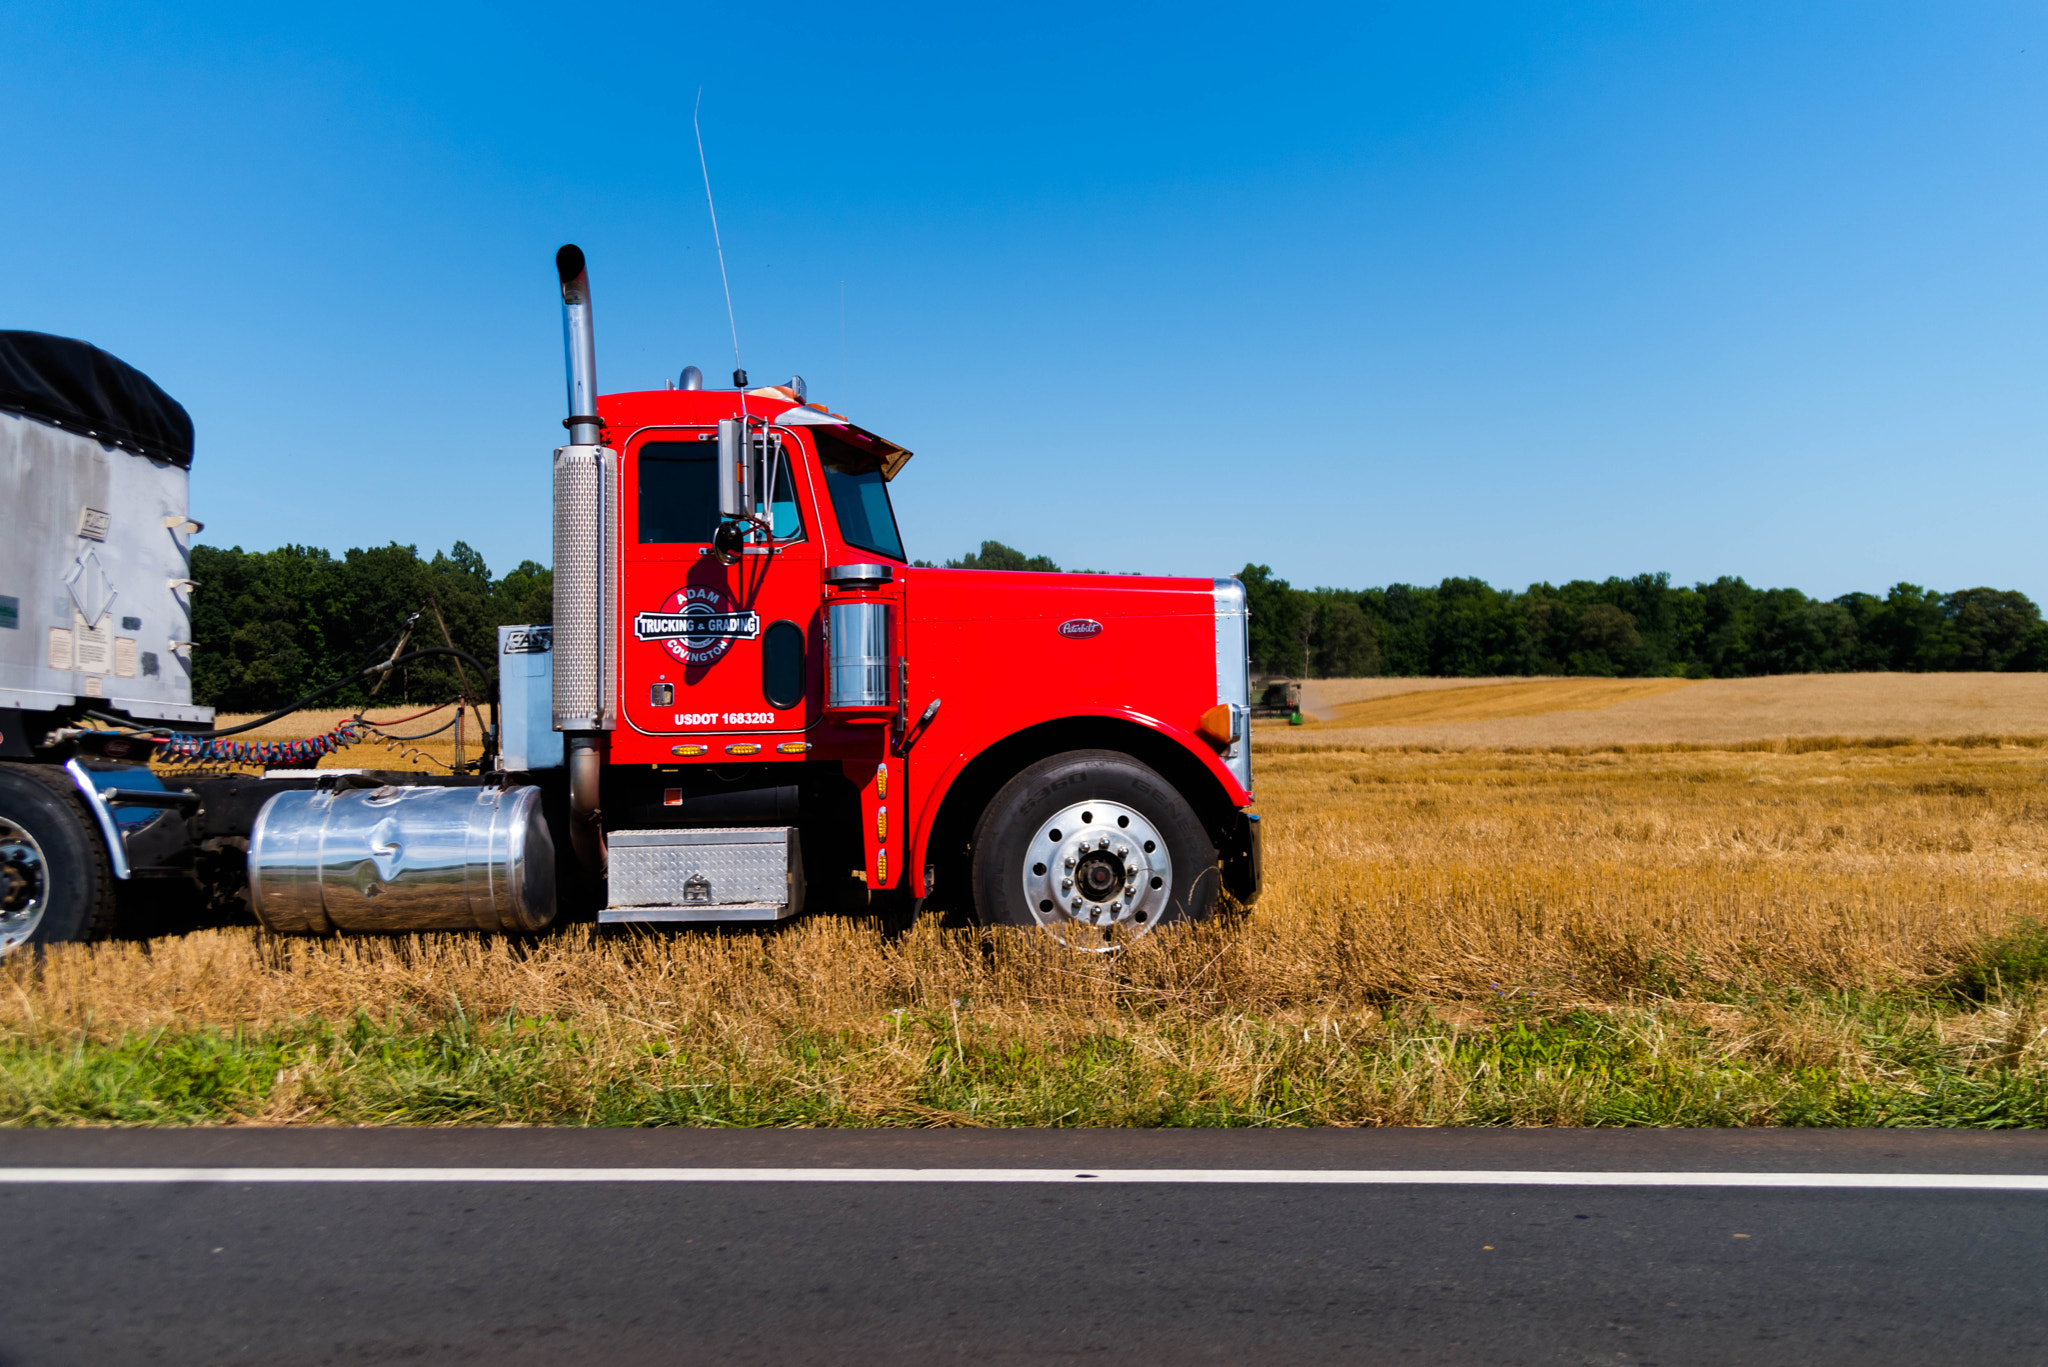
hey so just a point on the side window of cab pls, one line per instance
(678, 494)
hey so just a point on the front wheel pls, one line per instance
(1094, 847)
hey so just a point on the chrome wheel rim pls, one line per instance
(1097, 875)
(24, 885)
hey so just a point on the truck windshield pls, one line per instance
(860, 496)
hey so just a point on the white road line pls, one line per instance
(1885, 1181)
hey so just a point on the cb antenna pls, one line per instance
(739, 376)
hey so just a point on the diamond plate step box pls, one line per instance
(722, 874)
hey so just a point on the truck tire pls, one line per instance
(1095, 848)
(56, 885)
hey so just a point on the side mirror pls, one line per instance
(734, 469)
(748, 461)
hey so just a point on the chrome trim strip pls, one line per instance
(735, 911)
(859, 574)
(143, 797)
(117, 849)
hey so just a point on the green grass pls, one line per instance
(2014, 960)
(1788, 1057)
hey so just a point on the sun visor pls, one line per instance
(891, 456)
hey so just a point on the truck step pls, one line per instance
(733, 873)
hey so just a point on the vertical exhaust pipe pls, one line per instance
(579, 341)
(586, 571)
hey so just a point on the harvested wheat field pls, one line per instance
(1491, 700)
(1848, 934)
(1554, 713)
(403, 738)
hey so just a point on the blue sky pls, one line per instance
(1371, 293)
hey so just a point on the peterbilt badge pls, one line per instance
(697, 625)
(1080, 628)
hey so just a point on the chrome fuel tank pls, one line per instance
(402, 858)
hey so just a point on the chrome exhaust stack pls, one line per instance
(579, 340)
(586, 569)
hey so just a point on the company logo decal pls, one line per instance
(530, 641)
(697, 625)
(1080, 628)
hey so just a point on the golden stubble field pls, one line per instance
(1719, 919)
(1548, 713)
(399, 739)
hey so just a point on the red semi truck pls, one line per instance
(749, 704)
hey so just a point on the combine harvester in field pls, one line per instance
(749, 704)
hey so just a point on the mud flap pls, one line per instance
(1243, 858)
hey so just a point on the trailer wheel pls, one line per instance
(55, 883)
(1095, 848)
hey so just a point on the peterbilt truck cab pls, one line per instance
(1062, 750)
(1065, 751)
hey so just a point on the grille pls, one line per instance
(857, 642)
(1233, 672)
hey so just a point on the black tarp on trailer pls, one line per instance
(76, 386)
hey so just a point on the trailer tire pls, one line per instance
(1094, 847)
(56, 885)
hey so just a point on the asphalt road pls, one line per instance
(682, 1271)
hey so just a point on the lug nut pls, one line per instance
(1066, 885)
(1122, 850)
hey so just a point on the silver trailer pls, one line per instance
(95, 573)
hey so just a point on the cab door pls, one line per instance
(708, 650)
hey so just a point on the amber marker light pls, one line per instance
(688, 750)
(744, 747)
(792, 747)
(1218, 725)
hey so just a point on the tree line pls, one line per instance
(1639, 627)
(271, 626)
